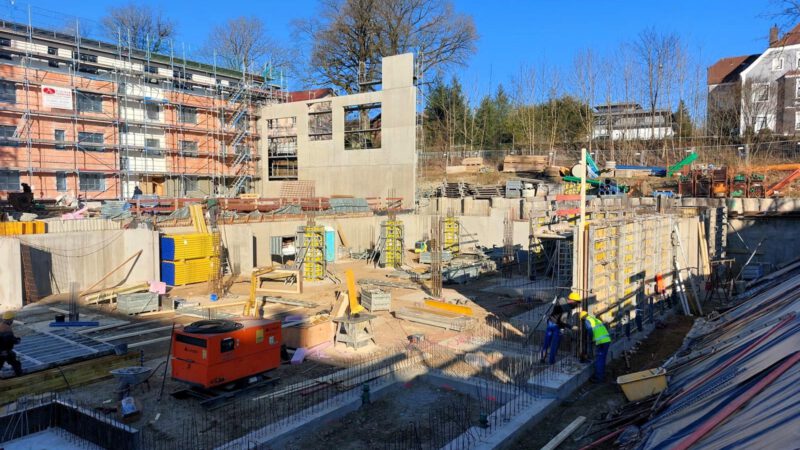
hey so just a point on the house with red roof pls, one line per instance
(757, 92)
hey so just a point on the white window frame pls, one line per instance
(797, 120)
(762, 120)
(756, 87)
(777, 64)
(797, 60)
(797, 88)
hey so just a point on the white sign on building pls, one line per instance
(56, 97)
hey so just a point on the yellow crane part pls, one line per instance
(352, 293)
(458, 309)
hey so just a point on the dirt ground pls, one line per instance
(386, 421)
(593, 401)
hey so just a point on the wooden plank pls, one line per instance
(284, 301)
(556, 441)
(51, 380)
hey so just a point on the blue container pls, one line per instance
(330, 244)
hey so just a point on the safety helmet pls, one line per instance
(8, 315)
(574, 296)
(583, 314)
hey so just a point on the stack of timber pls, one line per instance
(468, 165)
(441, 319)
(524, 163)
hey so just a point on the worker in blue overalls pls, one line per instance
(557, 321)
(602, 341)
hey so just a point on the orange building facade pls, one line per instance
(96, 120)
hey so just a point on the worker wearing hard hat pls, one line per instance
(557, 321)
(7, 342)
(602, 340)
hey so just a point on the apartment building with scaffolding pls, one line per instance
(97, 119)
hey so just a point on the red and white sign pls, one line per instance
(56, 97)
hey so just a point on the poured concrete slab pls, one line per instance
(49, 439)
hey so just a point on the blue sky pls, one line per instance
(512, 33)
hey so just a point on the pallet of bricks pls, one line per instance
(188, 258)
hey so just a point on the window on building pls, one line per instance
(89, 102)
(187, 114)
(797, 88)
(60, 136)
(362, 126)
(777, 63)
(150, 143)
(761, 123)
(189, 148)
(761, 92)
(61, 181)
(190, 184)
(8, 92)
(9, 180)
(90, 141)
(320, 121)
(153, 111)
(92, 182)
(797, 120)
(7, 135)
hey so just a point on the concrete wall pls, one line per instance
(361, 173)
(83, 257)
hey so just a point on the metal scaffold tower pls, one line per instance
(392, 231)
(436, 257)
(508, 247)
(452, 235)
(312, 251)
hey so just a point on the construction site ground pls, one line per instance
(383, 422)
(149, 334)
(594, 401)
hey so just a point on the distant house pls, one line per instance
(629, 121)
(757, 92)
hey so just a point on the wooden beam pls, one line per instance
(51, 380)
(560, 437)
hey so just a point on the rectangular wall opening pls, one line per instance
(362, 126)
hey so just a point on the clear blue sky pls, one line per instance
(512, 33)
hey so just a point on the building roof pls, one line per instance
(310, 94)
(792, 37)
(727, 70)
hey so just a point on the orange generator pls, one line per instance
(210, 353)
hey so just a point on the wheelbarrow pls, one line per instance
(131, 376)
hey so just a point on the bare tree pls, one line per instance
(758, 97)
(138, 26)
(525, 85)
(349, 37)
(656, 53)
(585, 78)
(242, 43)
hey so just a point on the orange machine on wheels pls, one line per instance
(211, 353)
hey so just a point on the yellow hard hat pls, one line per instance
(8, 315)
(574, 296)
(583, 314)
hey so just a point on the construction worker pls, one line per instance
(7, 342)
(602, 340)
(557, 321)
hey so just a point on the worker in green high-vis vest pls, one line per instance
(602, 340)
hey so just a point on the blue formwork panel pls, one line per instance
(167, 248)
(168, 272)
